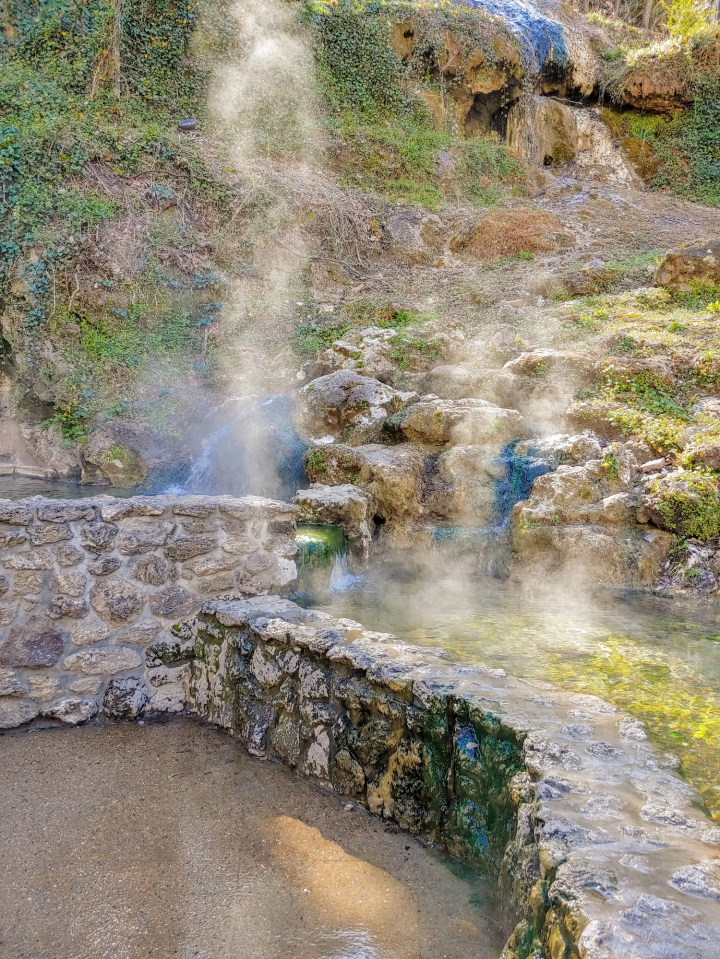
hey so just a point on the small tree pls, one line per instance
(686, 18)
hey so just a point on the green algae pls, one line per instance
(654, 659)
(319, 545)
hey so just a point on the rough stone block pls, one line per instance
(142, 537)
(69, 555)
(125, 698)
(61, 606)
(72, 710)
(186, 547)
(153, 570)
(104, 661)
(31, 559)
(12, 685)
(44, 688)
(46, 533)
(65, 511)
(14, 513)
(15, 712)
(8, 612)
(69, 584)
(116, 600)
(12, 537)
(104, 565)
(35, 645)
(98, 537)
(90, 632)
(173, 602)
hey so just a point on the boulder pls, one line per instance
(125, 453)
(347, 405)
(439, 422)
(682, 268)
(345, 506)
(392, 476)
(588, 554)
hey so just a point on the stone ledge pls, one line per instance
(597, 848)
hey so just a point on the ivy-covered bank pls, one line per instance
(556, 796)
(110, 278)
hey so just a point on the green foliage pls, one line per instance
(689, 503)
(681, 152)
(686, 19)
(315, 462)
(312, 337)
(360, 70)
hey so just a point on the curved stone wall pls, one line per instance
(90, 588)
(596, 846)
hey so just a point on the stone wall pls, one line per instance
(89, 591)
(594, 841)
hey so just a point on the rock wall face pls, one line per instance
(594, 841)
(89, 591)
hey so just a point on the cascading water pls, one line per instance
(491, 543)
(541, 38)
(254, 451)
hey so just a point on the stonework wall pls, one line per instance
(89, 591)
(596, 846)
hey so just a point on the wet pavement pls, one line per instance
(166, 841)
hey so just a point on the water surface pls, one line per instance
(657, 658)
(167, 840)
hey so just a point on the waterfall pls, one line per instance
(341, 579)
(254, 451)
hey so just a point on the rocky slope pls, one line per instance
(465, 319)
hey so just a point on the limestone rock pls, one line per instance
(69, 584)
(89, 632)
(390, 475)
(153, 570)
(124, 453)
(104, 661)
(98, 537)
(12, 685)
(72, 711)
(35, 645)
(681, 268)
(346, 404)
(173, 601)
(116, 600)
(142, 536)
(439, 422)
(125, 698)
(44, 688)
(344, 505)
(15, 712)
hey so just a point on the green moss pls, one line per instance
(682, 716)
(391, 143)
(689, 503)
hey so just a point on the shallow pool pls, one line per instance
(657, 658)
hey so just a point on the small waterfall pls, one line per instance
(491, 544)
(341, 579)
(550, 132)
(254, 451)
